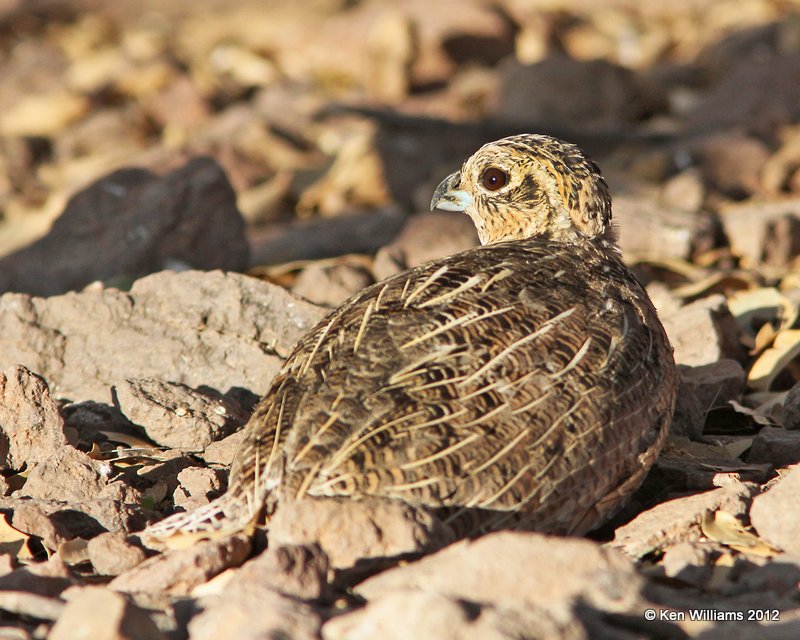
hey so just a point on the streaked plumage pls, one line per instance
(528, 380)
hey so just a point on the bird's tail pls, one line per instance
(221, 517)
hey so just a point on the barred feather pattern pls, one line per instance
(528, 380)
(527, 383)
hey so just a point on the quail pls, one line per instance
(527, 380)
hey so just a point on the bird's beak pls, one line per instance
(449, 197)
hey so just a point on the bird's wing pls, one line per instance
(460, 383)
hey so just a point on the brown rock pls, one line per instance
(696, 467)
(111, 554)
(327, 237)
(254, 612)
(763, 232)
(176, 416)
(594, 93)
(131, 223)
(223, 451)
(715, 384)
(684, 191)
(657, 231)
(349, 530)
(703, 332)
(781, 170)
(775, 514)
(213, 329)
(198, 486)
(32, 519)
(299, 571)
(30, 421)
(426, 236)
(497, 569)
(178, 571)
(701, 389)
(55, 520)
(95, 613)
(330, 285)
(732, 163)
(679, 520)
(791, 408)
(411, 614)
(47, 579)
(29, 605)
(33, 435)
(688, 419)
(690, 562)
(726, 106)
(779, 447)
(179, 105)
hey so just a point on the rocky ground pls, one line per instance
(185, 187)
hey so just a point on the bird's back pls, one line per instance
(527, 381)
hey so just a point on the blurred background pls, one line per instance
(334, 120)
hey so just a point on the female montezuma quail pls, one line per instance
(527, 380)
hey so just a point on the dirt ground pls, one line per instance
(187, 187)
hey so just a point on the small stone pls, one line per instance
(222, 451)
(777, 446)
(684, 191)
(95, 613)
(497, 569)
(713, 385)
(690, 562)
(32, 436)
(299, 571)
(330, 286)
(791, 408)
(350, 531)
(411, 614)
(178, 571)
(111, 554)
(660, 231)
(732, 163)
(426, 236)
(48, 578)
(763, 232)
(775, 514)
(198, 486)
(174, 415)
(679, 520)
(703, 332)
(254, 612)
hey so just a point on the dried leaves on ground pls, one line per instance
(145, 147)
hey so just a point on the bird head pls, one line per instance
(527, 186)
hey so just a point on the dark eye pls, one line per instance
(494, 179)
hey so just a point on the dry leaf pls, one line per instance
(43, 114)
(714, 283)
(216, 586)
(758, 418)
(96, 452)
(770, 363)
(738, 446)
(682, 268)
(762, 313)
(726, 529)
(13, 541)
